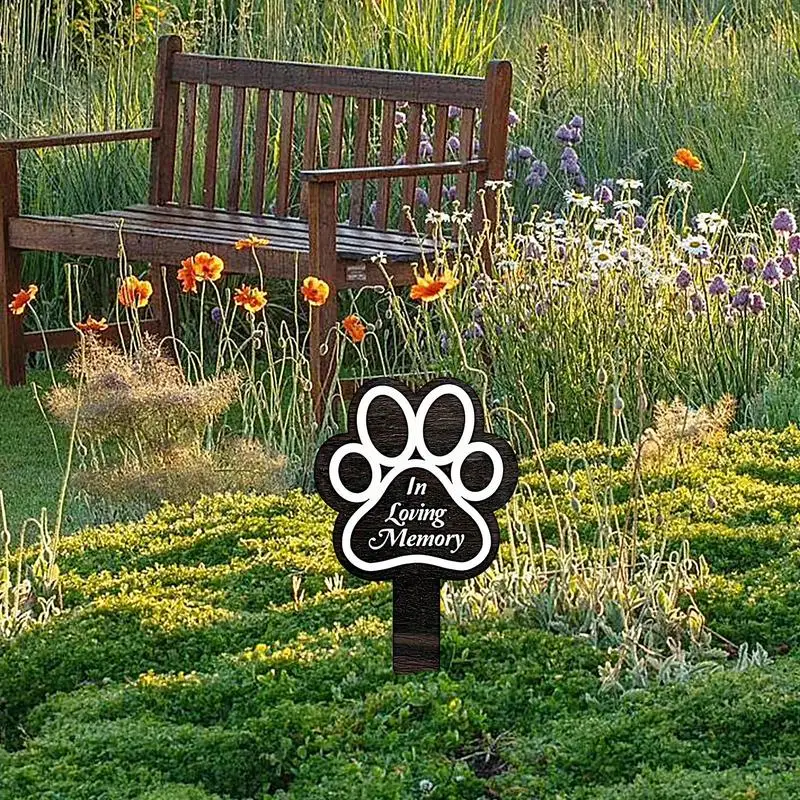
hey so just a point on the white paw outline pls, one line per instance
(415, 423)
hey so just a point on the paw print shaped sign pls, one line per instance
(416, 481)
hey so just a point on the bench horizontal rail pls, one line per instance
(413, 87)
(64, 140)
(67, 338)
(392, 171)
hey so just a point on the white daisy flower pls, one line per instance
(696, 246)
(679, 185)
(629, 183)
(710, 222)
(603, 259)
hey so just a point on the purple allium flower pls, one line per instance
(454, 143)
(771, 274)
(216, 314)
(757, 303)
(524, 152)
(449, 192)
(533, 250)
(784, 221)
(373, 209)
(787, 266)
(475, 331)
(421, 197)
(698, 303)
(794, 244)
(741, 299)
(561, 249)
(453, 112)
(401, 159)
(603, 193)
(399, 118)
(425, 149)
(749, 264)
(580, 180)
(718, 286)
(576, 122)
(569, 154)
(639, 221)
(684, 279)
(624, 254)
(565, 134)
(513, 118)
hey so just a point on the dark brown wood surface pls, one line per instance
(415, 87)
(12, 352)
(71, 139)
(416, 625)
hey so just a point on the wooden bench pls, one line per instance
(273, 118)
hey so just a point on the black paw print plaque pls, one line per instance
(416, 481)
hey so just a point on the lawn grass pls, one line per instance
(30, 475)
(187, 667)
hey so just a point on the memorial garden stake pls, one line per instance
(416, 481)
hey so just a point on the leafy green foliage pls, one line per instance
(187, 665)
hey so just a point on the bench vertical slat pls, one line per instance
(12, 346)
(363, 123)
(261, 147)
(337, 127)
(187, 145)
(466, 133)
(309, 147)
(386, 159)
(439, 147)
(414, 122)
(166, 105)
(493, 142)
(212, 147)
(237, 145)
(285, 156)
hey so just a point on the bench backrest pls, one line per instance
(235, 132)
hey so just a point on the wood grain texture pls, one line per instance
(415, 87)
(416, 624)
(363, 122)
(212, 147)
(74, 139)
(285, 145)
(386, 159)
(237, 145)
(392, 171)
(439, 152)
(414, 126)
(260, 148)
(12, 350)
(310, 144)
(187, 143)
(166, 106)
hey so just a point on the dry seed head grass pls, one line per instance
(143, 394)
(184, 473)
(679, 430)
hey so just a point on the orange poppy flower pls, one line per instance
(685, 158)
(205, 266)
(250, 299)
(316, 291)
(187, 277)
(354, 328)
(251, 242)
(19, 301)
(429, 288)
(92, 325)
(134, 293)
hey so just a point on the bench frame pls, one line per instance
(318, 199)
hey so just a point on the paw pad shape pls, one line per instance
(416, 481)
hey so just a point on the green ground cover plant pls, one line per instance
(215, 650)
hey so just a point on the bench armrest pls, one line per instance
(392, 171)
(35, 142)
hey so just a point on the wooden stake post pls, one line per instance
(416, 481)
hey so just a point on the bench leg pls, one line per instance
(322, 220)
(165, 297)
(12, 344)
